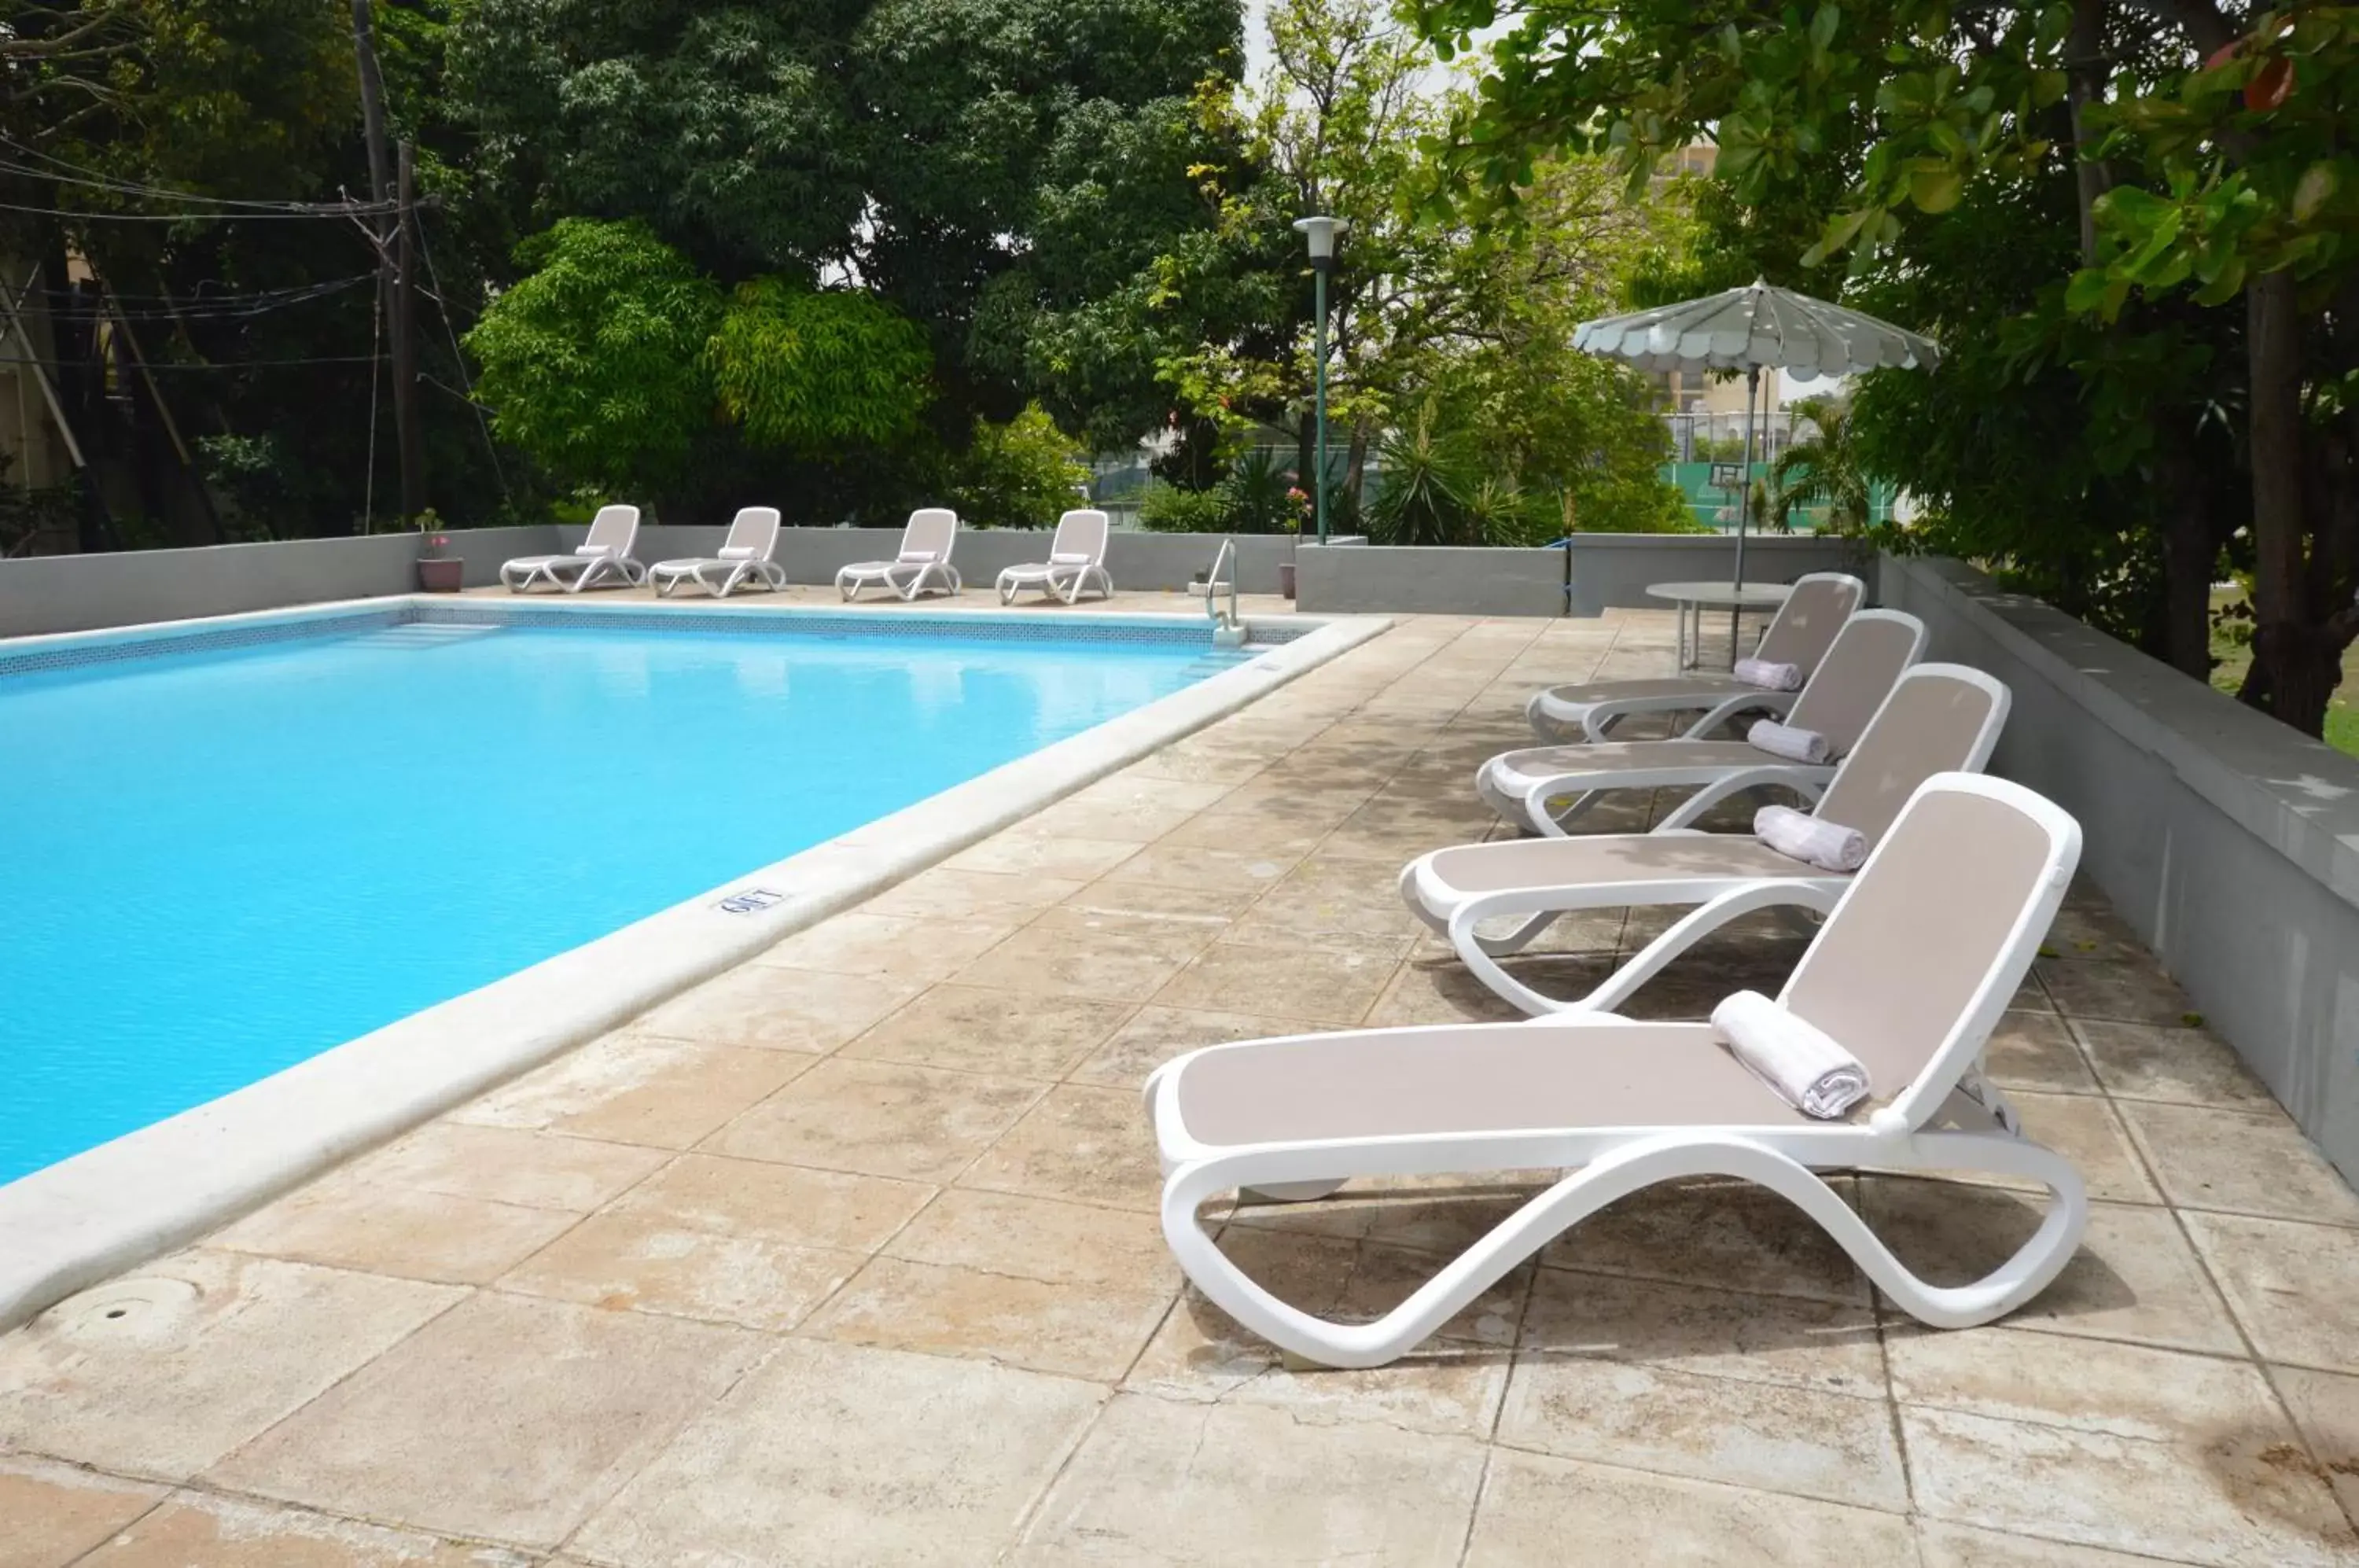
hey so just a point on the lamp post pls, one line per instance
(1321, 233)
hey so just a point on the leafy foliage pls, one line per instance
(594, 362)
(1023, 473)
(814, 371)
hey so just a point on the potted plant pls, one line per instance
(437, 572)
(1298, 504)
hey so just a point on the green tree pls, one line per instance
(1826, 470)
(594, 362)
(1023, 473)
(2192, 218)
(817, 371)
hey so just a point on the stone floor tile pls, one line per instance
(2255, 1163)
(2123, 993)
(1333, 985)
(834, 1455)
(2088, 930)
(1330, 895)
(1038, 1238)
(1964, 1546)
(1109, 957)
(1288, 834)
(2087, 1132)
(1169, 1483)
(879, 1118)
(1837, 1447)
(1197, 765)
(780, 1009)
(2188, 1066)
(946, 892)
(2234, 1498)
(1030, 855)
(2128, 1390)
(1140, 792)
(1727, 1233)
(1211, 909)
(199, 1530)
(2037, 1052)
(2325, 1406)
(2294, 1287)
(1689, 1328)
(638, 1089)
(640, 1260)
(50, 1514)
(538, 1170)
(871, 946)
(977, 1030)
(1074, 1330)
(505, 1417)
(1244, 871)
(2133, 1278)
(163, 1371)
(1079, 1142)
(1110, 821)
(1535, 1509)
(1440, 991)
(791, 1204)
(1155, 1035)
(347, 1224)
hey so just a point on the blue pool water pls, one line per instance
(216, 865)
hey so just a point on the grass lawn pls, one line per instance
(2342, 713)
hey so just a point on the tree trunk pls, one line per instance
(2189, 554)
(1356, 462)
(2086, 71)
(2297, 658)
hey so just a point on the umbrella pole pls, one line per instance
(1744, 510)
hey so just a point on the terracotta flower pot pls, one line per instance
(1286, 578)
(442, 574)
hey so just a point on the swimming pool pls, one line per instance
(227, 854)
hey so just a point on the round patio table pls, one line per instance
(1692, 599)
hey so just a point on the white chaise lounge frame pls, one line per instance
(1076, 560)
(922, 564)
(1802, 631)
(1939, 1116)
(1865, 794)
(1582, 774)
(744, 560)
(605, 552)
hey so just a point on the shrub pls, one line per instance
(1171, 510)
(813, 371)
(1022, 474)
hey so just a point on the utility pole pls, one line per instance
(405, 338)
(391, 254)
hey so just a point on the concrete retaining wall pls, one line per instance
(1140, 562)
(82, 593)
(1609, 571)
(2229, 841)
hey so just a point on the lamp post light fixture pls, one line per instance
(1321, 233)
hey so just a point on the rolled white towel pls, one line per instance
(1767, 676)
(1807, 1069)
(1829, 846)
(1786, 741)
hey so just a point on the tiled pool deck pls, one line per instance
(850, 1257)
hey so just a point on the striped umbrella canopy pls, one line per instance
(1752, 329)
(1756, 327)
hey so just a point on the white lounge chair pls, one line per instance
(1941, 718)
(1843, 693)
(924, 560)
(1076, 559)
(605, 552)
(1799, 635)
(1909, 976)
(743, 559)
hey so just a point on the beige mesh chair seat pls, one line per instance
(1909, 975)
(1547, 788)
(743, 559)
(922, 565)
(1076, 561)
(605, 552)
(1800, 633)
(1939, 718)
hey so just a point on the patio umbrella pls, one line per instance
(1748, 330)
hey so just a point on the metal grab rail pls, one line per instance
(1228, 627)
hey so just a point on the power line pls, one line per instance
(345, 210)
(97, 180)
(175, 364)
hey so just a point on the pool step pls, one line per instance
(423, 634)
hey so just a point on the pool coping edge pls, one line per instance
(70, 1224)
